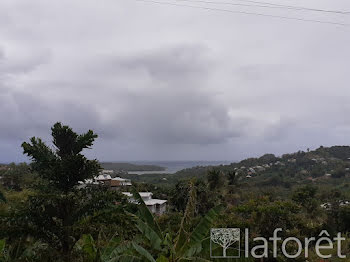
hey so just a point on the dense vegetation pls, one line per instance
(45, 216)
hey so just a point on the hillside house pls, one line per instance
(156, 206)
(117, 182)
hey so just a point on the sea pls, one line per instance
(172, 167)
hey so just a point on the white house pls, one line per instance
(156, 206)
(106, 179)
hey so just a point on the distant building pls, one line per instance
(343, 203)
(260, 168)
(107, 172)
(118, 182)
(156, 206)
(304, 172)
(104, 178)
(3, 167)
(251, 170)
(326, 205)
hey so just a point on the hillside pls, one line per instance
(324, 163)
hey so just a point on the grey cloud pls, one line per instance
(160, 82)
(25, 64)
(24, 116)
(175, 108)
(183, 62)
(158, 96)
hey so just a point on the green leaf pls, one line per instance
(145, 214)
(143, 252)
(88, 246)
(150, 234)
(112, 252)
(2, 247)
(162, 259)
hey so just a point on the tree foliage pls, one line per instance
(59, 212)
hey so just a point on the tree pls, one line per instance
(215, 179)
(305, 196)
(231, 177)
(180, 194)
(64, 166)
(339, 172)
(60, 213)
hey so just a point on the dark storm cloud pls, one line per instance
(24, 116)
(172, 105)
(174, 108)
(158, 82)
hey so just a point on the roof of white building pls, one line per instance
(88, 181)
(142, 194)
(103, 177)
(153, 202)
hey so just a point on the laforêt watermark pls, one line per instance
(226, 243)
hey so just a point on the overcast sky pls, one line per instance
(160, 82)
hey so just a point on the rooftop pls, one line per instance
(153, 202)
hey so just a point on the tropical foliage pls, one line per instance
(47, 215)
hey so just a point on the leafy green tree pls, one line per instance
(59, 213)
(339, 172)
(215, 179)
(268, 158)
(231, 177)
(205, 198)
(317, 171)
(304, 195)
(344, 219)
(65, 165)
(179, 195)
